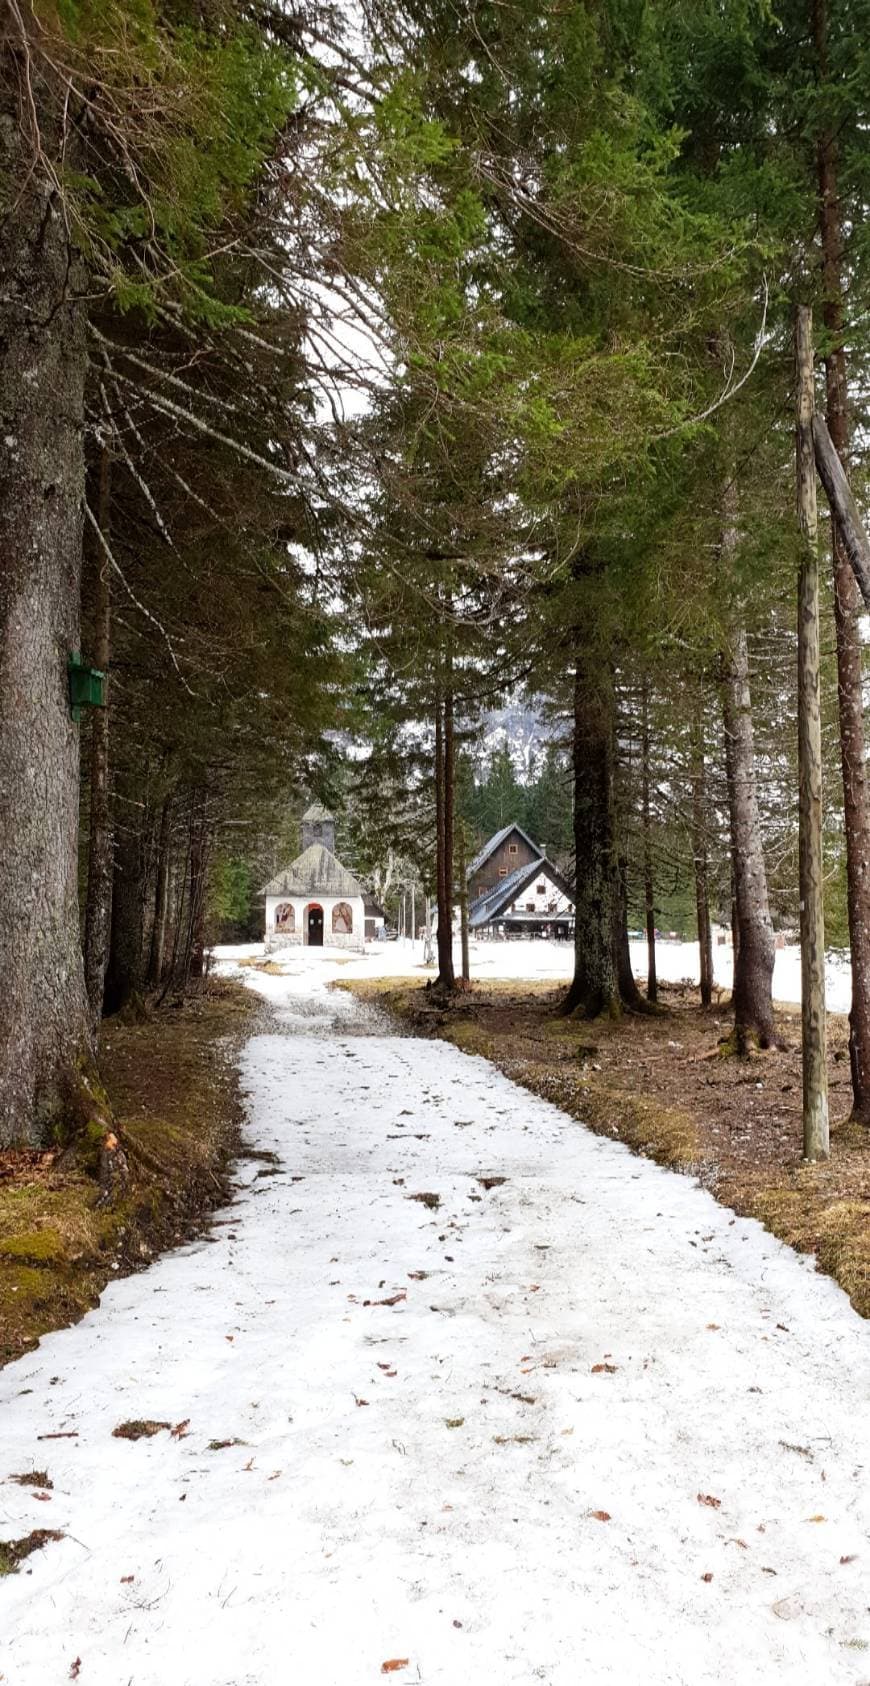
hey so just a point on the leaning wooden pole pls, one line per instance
(812, 918)
(843, 506)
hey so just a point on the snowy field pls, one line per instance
(574, 1423)
(676, 962)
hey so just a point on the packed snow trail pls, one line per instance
(577, 1425)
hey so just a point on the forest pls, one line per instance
(365, 367)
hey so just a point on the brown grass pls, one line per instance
(172, 1085)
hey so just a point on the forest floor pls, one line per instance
(455, 1389)
(661, 1085)
(172, 1085)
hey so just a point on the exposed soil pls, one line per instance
(661, 1085)
(172, 1086)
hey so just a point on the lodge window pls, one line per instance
(542, 889)
(530, 907)
(513, 849)
(502, 872)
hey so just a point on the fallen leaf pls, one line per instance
(713, 1325)
(393, 1663)
(179, 1432)
(126, 1579)
(75, 1669)
(851, 1559)
(393, 1299)
(707, 1577)
(600, 1515)
(708, 1499)
(604, 1369)
(358, 1401)
(45, 1498)
(817, 1519)
(454, 1422)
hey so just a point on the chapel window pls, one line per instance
(342, 919)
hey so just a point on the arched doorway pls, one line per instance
(314, 914)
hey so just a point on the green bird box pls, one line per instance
(87, 686)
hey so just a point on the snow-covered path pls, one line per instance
(579, 1425)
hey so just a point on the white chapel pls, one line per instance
(315, 902)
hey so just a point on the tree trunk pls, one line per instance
(648, 887)
(98, 906)
(463, 903)
(754, 958)
(443, 852)
(594, 988)
(157, 954)
(44, 1026)
(700, 861)
(125, 973)
(812, 918)
(847, 608)
(197, 904)
(629, 994)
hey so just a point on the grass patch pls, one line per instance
(171, 1087)
(14, 1552)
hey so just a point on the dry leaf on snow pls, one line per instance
(392, 1663)
(604, 1369)
(708, 1499)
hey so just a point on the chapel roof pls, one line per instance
(315, 872)
(316, 814)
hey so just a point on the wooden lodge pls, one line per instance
(514, 890)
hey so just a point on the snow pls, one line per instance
(676, 962)
(420, 1479)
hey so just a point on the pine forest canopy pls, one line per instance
(365, 367)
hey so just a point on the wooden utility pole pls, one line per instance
(812, 918)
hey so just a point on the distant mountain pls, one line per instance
(520, 729)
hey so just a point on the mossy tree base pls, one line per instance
(140, 1159)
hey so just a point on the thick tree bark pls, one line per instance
(847, 609)
(98, 905)
(812, 917)
(594, 988)
(125, 973)
(700, 862)
(157, 952)
(44, 1027)
(755, 954)
(646, 820)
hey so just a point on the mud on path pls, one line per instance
(455, 1386)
